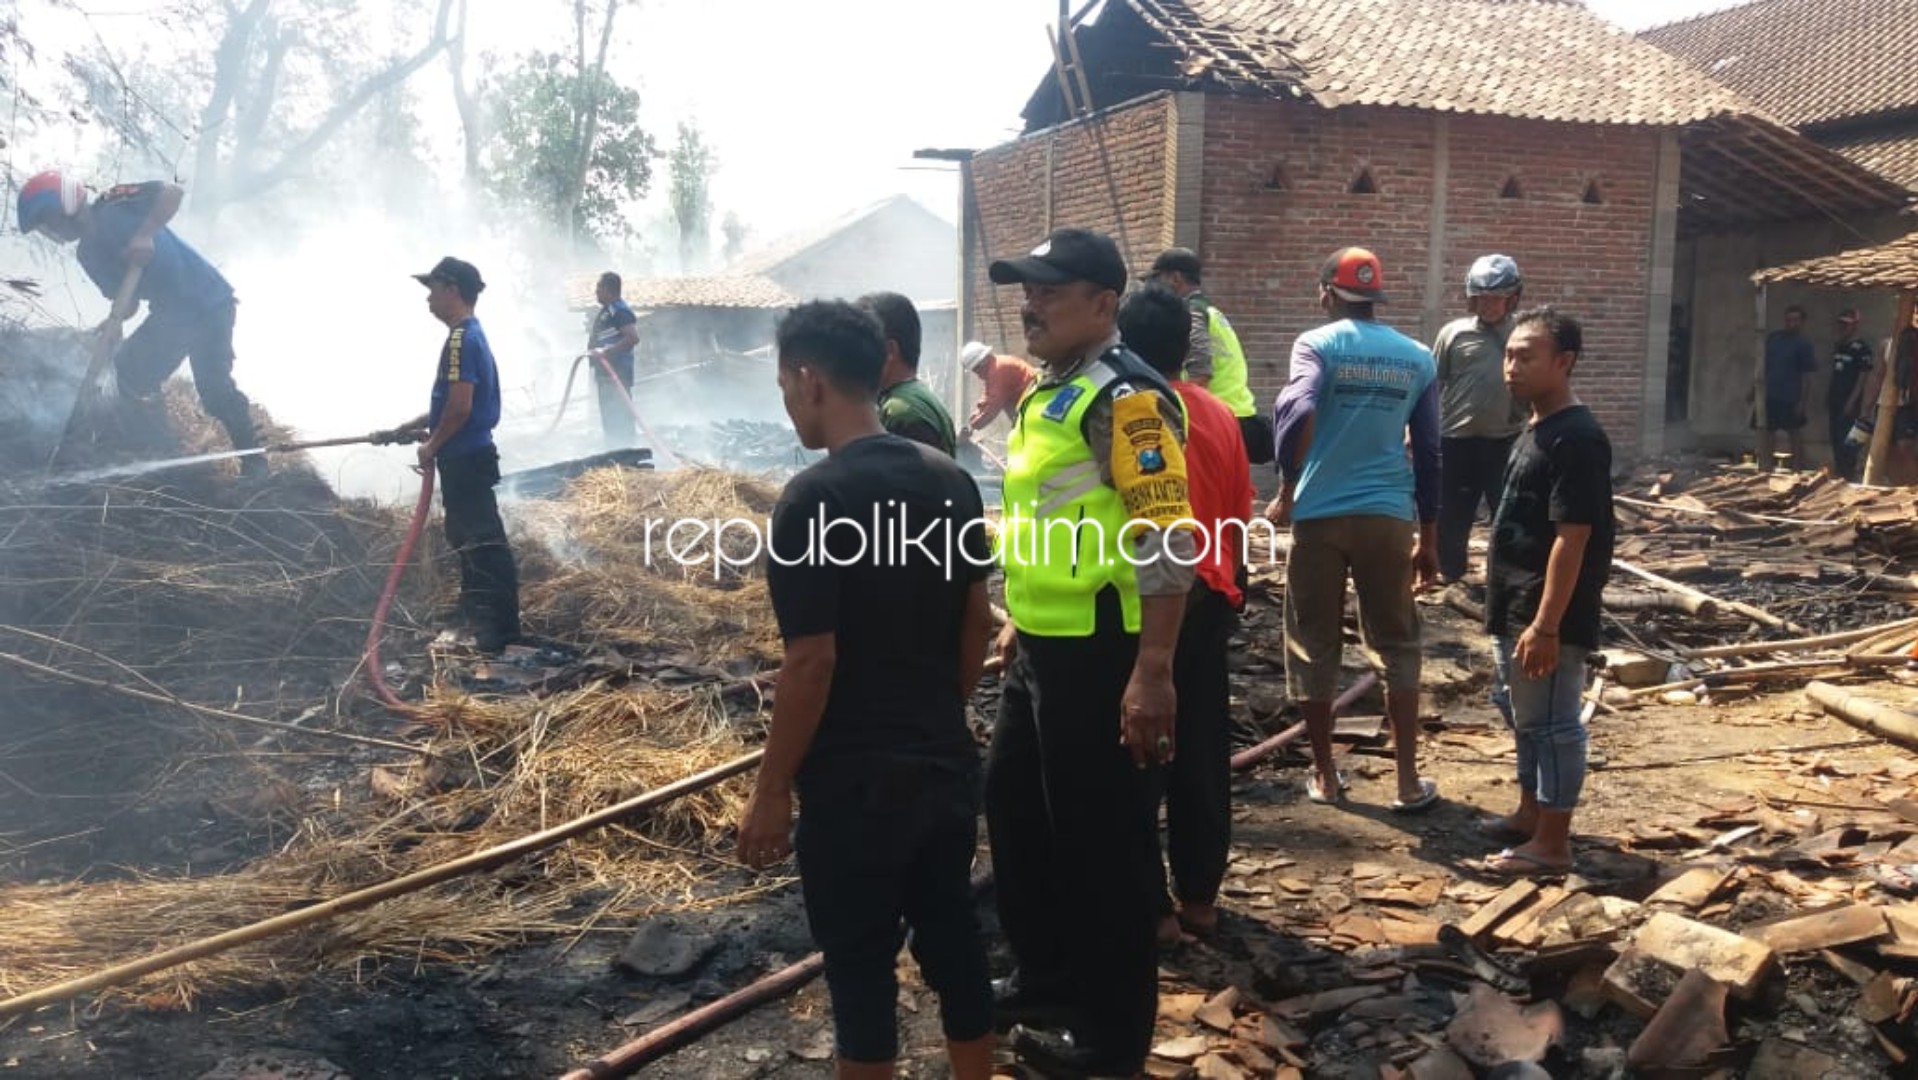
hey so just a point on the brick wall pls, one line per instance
(1262, 246)
(1014, 206)
(1275, 200)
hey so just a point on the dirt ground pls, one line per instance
(555, 1003)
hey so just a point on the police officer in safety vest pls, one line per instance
(1216, 361)
(1097, 567)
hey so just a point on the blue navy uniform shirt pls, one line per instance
(467, 358)
(178, 279)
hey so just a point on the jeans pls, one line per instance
(1471, 471)
(205, 340)
(1545, 716)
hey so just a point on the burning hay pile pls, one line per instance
(214, 599)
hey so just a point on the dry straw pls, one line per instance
(185, 585)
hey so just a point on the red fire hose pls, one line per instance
(626, 396)
(375, 674)
(637, 1054)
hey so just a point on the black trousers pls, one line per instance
(1844, 455)
(1471, 471)
(881, 841)
(1256, 430)
(615, 416)
(203, 339)
(1073, 838)
(1197, 786)
(489, 578)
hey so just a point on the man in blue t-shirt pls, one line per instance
(615, 332)
(190, 307)
(1352, 497)
(458, 438)
(1789, 363)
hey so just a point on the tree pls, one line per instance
(255, 89)
(534, 144)
(735, 232)
(693, 166)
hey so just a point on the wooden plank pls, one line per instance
(1692, 889)
(1526, 930)
(1825, 930)
(1735, 960)
(1903, 919)
(1495, 910)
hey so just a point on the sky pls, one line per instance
(808, 125)
(814, 108)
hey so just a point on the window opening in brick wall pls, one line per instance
(1277, 180)
(1511, 189)
(1593, 196)
(1363, 184)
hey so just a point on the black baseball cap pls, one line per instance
(462, 275)
(1066, 255)
(1177, 260)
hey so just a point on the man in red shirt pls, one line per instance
(1006, 379)
(1154, 323)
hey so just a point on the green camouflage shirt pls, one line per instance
(911, 410)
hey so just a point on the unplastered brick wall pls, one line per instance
(1107, 173)
(1277, 200)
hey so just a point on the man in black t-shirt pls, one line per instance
(1550, 556)
(1850, 362)
(877, 561)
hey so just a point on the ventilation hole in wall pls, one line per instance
(1592, 195)
(1510, 189)
(1276, 180)
(1363, 184)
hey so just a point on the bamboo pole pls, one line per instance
(1868, 714)
(486, 859)
(1762, 672)
(1765, 458)
(1803, 644)
(1691, 603)
(1755, 614)
(1878, 461)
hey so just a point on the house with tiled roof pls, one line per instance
(1840, 71)
(1267, 133)
(704, 337)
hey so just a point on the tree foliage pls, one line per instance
(253, 90)
(531, 159)
(692, 165)
(735, 232)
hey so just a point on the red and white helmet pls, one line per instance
(50, 192)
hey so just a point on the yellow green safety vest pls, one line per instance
(1228, 361)
(1063, 528)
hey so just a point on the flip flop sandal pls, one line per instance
(1317, 794)
(1513, 863)
(1428, 798)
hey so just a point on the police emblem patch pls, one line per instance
(1061, 403)
(1151, 460)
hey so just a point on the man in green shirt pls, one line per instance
(907, 407)
(1216, 361)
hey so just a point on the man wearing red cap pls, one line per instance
(1352, 498)
(190, 306)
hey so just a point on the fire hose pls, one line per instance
(375, 673)
(630, 1057)
(625, 396)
